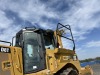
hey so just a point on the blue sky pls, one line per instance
(82, 15)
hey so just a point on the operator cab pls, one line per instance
(34, 43)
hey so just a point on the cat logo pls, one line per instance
(4, 50)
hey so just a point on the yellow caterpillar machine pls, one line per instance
(40, 52)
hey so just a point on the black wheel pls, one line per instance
(69, 71)
(73, 72)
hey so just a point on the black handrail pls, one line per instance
(30, 27)
(13, 40)
(5, 42)
(69, 28)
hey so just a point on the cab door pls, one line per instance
(33, 52)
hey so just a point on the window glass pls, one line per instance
(49, 42)
(31, 52)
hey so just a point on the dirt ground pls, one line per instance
(96, 69)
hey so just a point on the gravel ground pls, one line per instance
(96, 69)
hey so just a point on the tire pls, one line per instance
(73, 72)
(69, 71)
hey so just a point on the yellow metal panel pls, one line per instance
(17, 60)
(4, 57)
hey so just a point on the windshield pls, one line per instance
(31, 52)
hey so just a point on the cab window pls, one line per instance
(49, 42)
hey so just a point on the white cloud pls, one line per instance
(81, 17)
(4, 22)
(31, 10)
(8, 33)
(68, 44)
(82, 54)
(92, 44)
(90, 49)
(7, 28)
